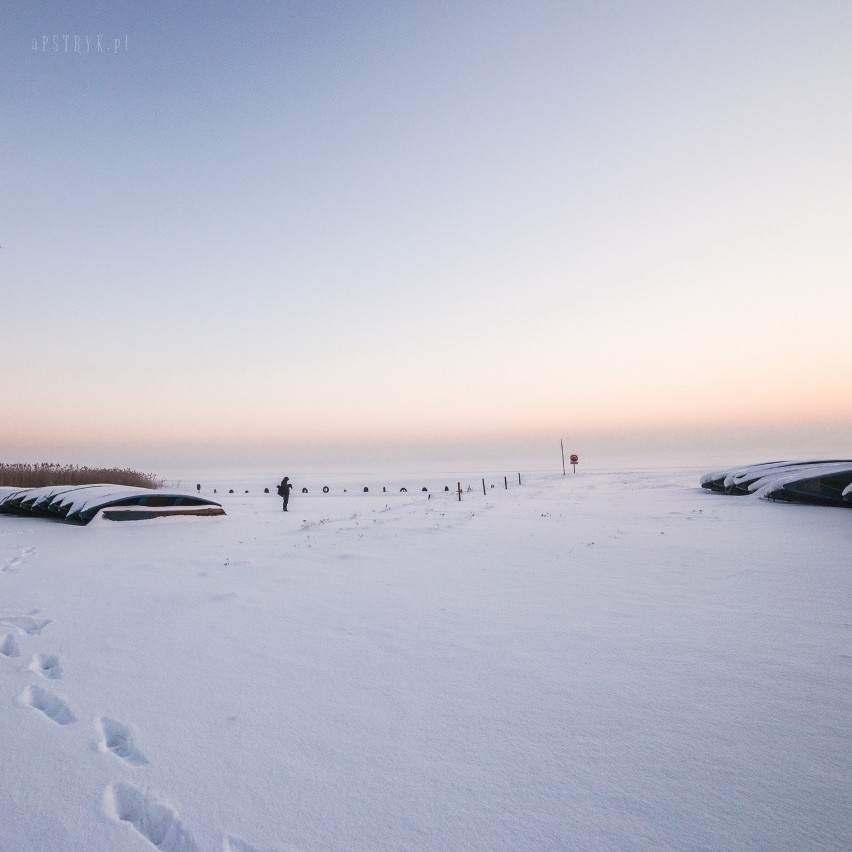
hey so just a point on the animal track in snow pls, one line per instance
(156, 822)
(51, 705)
(47, 665)
(9, 646)
(117, 738)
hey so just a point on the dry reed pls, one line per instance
(47, 473)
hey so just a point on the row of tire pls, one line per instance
(326, 489)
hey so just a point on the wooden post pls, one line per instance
(459, 484)
(562, 447)
(506, 483)
(519, 478)
(483, 487)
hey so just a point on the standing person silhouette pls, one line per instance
(284, 491)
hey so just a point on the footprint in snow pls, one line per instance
(26, 623)
(223, 597)
(9, 646)
(156, 822)
(233, 844)
(118, 738)
(13, 562)
(51, 705)
(47, 665)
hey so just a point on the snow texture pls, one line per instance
(603, 660)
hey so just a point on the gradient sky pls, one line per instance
(268, 229)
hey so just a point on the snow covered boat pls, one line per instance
(823, 483)
(749, 478)
(826, 488)
(722, 481)
(79, 504)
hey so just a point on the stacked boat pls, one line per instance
(818, 482)
(79, 504)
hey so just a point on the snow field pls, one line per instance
(602, 660)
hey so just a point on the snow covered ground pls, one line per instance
(597, 661)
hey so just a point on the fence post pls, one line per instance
(506, 483)
(483, 488)
(459, 484)
(519, 478)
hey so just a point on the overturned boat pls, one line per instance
(741, 480)
(79, 504)
(824, 488)
(824, 483)
(722, 481)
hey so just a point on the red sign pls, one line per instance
(574, 458)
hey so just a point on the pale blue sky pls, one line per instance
(280, 226)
